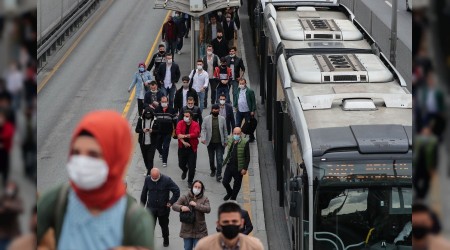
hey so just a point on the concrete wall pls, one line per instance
(52, 12)
(381, 33)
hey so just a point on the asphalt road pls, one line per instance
(95, 75)
(383, 10)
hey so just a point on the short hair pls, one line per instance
(200, 60)
(229, 207)
(161, 46)
(185, 78)
(153, 83)
(222, 59)
(219, 31)
(223, 95)
(209, 46)
(169, 54)
(165, 97)
(233, 48)
(243, 79)
(190, 98)
(420, 208)
(188, 112)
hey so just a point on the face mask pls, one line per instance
(164, 104)
(196, 191)
(231, 55)
(215, 114)
(219, 13)
(148, 116)
(191, 106)
(219, 37)
(223, 65)
(230, 231)
(154, 91)
(177, 15)
(141, 69)
(228, 19)
(222, 102)
(169, 61)
(155, 180)
(199, 67)
(186, 119)
(10, 192)
(185, 85)
(209, 53)
(87, 173)
(236, 137)
(161, 52)
(242, 86)
(420, 232)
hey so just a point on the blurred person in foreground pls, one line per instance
(426, 230)
(230, 222)
(247, 228)
(11, 206)
(6, 140)
(94, 211)
(27, 241)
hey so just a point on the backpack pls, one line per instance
(132, 212)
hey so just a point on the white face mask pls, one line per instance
(186, 119)
(156, 180)
(242, 86)
(222, 102)
(87, 173)
(169, 61)
(199, 67)
(209, 53)
(190, 106)
(228, 19)
(164, 104)
(196, 191)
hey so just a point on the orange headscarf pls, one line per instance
(113, 134)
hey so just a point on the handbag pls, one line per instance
(188, 217)
(249, 126)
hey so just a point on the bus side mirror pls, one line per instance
(295, 203)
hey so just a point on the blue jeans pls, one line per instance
(170, 93)
(223, 89)
(217, 149)
(163, 146)
(201, 100)
(190, 243)
(180, 44)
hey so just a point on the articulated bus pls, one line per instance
(341, 122)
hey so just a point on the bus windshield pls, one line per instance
(358, 210)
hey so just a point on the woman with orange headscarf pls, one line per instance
(94, 211)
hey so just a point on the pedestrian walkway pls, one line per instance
(250, 195)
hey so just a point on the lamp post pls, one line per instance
(393, 32)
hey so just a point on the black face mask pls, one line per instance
(230, 231)
(148, 116)
(420, 232)
(162, 52)
(215, 114)
(219, 37)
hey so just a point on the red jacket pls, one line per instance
(194, 132)
(6, 136)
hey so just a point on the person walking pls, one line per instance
(229, 30)
(141, 79)
(247, 226)
(170, 35)
(226, 111)
(158, 58)
(223, 76)
(229, 223)
(11, 207)
(181, 26)
(190, 106)
(182, 95)
(236, 162)
(245, 104)
(220, 45)
(199, 81)
(187, 132)
(237, 67)
(212, 28)
(95, 197)
(214, 136)
(147, 137)
(165, 123)
(210, 62)
(156, 198)
(153, 97)
(197, 201)
(168, 76)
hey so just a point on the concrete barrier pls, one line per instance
(51, 13)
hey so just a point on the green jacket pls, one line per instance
(251, 100)
(243, 153)
(138, 224)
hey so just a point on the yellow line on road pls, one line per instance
(247, 204)
(147, 61)
(70, 50)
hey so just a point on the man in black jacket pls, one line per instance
(238, 69)
(197, 114)
(153, 97)
(165, 122)
(155, 196)
(169, 79)
(248, 226)
(226, 110)
(157, 59)
(220, 45)
(182, 95)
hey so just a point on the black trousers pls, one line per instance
(140, 103)
(212, 86)
(232, 172)
(4, 166)
(187, 161)
(148, 153)
(164, 224)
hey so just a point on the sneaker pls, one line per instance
(189, 184)
(166, 243)
(164, 165)
(218, 178)
(183, 175)
(213, 173)
(179, 52)
(160, 157)
(227, 197)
